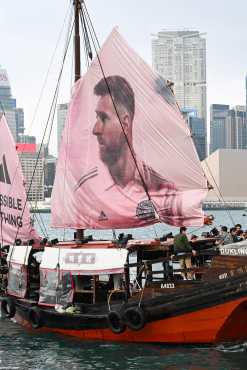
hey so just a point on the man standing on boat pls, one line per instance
(183, 250)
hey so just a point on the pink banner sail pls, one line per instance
(15, 221)
(144, 170)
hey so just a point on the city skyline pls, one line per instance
(27, 45)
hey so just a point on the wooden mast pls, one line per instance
(77, 60)
(77, 49)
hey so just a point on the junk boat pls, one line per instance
(127, 160)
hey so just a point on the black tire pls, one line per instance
(8, 308)
(35, 317)
(115, 322)
(135, 318)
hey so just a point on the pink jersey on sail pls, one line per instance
(142, 171)
(15, 220)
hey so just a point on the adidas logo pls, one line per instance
(4, 173)
(102, 216)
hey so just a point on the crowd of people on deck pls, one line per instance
(184, 251)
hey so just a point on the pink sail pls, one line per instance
(142, 171)
(15, 220)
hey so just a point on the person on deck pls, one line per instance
(183, 250)
(234, 235)
(225, 236)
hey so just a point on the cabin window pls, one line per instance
(56, 287)
(17, 280)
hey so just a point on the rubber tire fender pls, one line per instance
(8, 308)
(35, 317)
(115, 322)
(135, 318)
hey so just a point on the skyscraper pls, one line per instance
(19, 117)
(7, 102)
(61, 117)
(180, 56)
(228, 127)
(218, 122)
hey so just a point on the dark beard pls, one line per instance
(110, 157)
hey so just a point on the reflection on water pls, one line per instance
(22, 349)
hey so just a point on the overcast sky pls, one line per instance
(29, 31)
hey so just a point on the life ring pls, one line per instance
(115, 323)
(135, 318)
(8, 308)
(35, 317)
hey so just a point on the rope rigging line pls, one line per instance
(48, 120)
(223, 201)
(35, 112)
(92, 33)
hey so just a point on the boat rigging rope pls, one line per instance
(223, 201)
(94, 39)
(54, 100)
(43, 229)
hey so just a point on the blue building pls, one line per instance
(218, 123)
(198, 131)
(14, 115)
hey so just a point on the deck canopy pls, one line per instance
(19, 254)
(17, 259)
(85, 261)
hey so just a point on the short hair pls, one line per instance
(182, 228)
(233, 229)
(120, 90)
(223, 228)
(238, 225)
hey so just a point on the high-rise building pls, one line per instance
(7, 102)
(228, 127)
(180, 56)
(197, 129)
(26, 139)
(33, 171)
(218, 121)
(236, 128)
(61, 117)
(19, 118)
(49, 172)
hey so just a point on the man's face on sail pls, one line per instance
(108, 130)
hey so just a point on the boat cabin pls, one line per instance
(62, 276)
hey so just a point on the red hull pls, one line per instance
(221, 323)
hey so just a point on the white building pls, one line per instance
(180, 56)
(28, 163)
(225, 171)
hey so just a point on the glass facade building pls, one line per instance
(14, 115)
(228, 127)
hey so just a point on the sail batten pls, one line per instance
(97, 184)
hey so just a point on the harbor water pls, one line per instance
(23, 349)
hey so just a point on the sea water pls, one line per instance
(23, 349)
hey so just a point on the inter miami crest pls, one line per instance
(145, 210)
(4, 173)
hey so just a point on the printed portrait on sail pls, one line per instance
(120, 170)
(127, 158)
